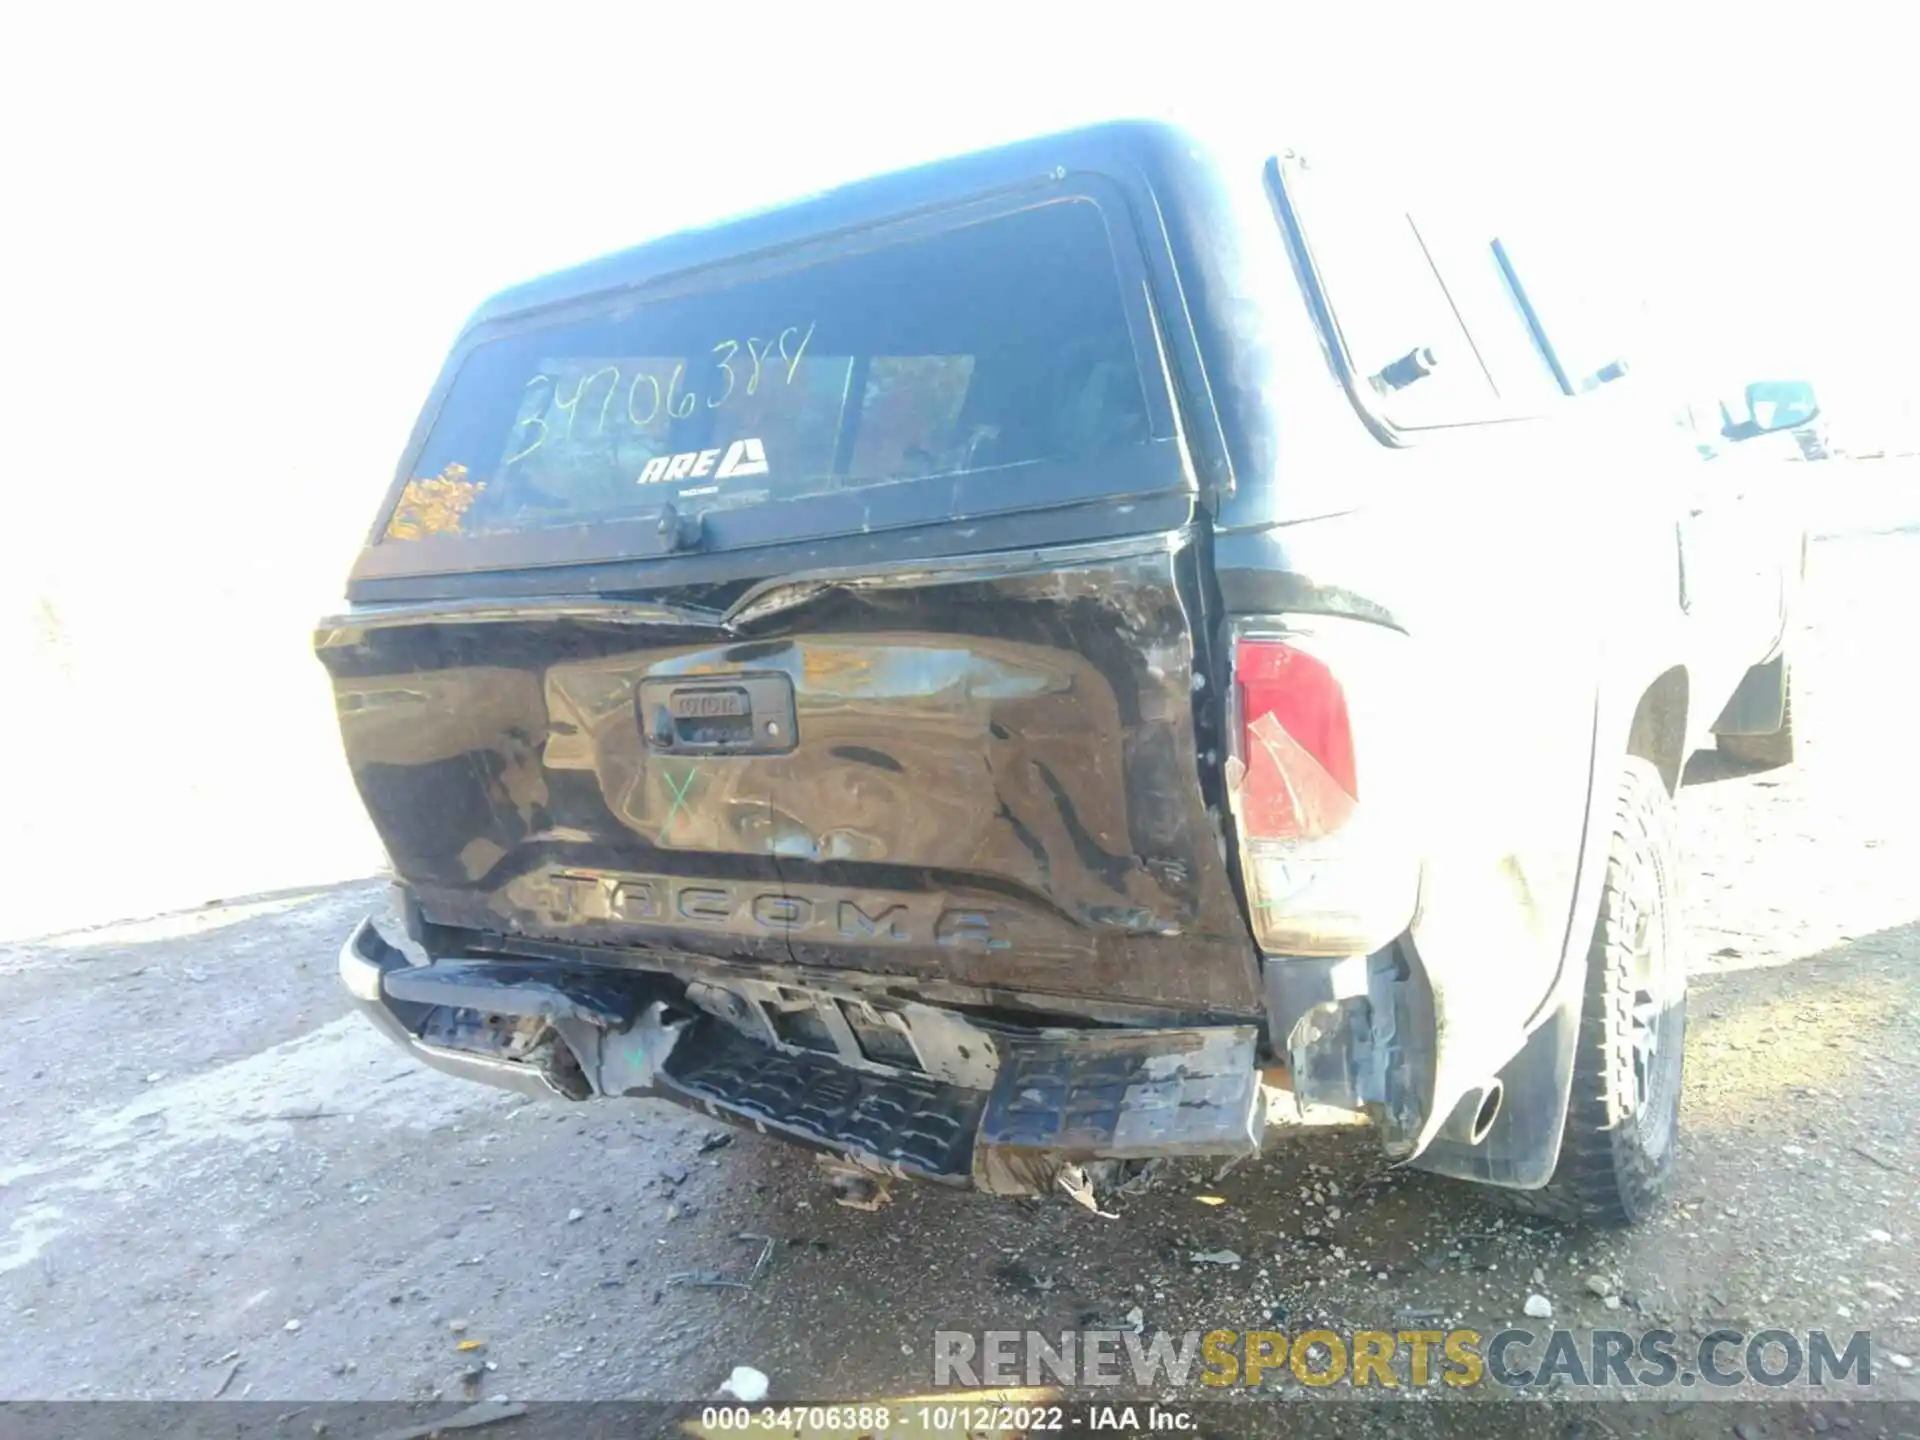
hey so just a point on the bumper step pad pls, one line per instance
(910, 1125)
(1129, 1094)
(1084, 1095)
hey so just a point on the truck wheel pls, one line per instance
(1623, 1116)
(1767, 752)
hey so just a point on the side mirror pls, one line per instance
(1771, 405)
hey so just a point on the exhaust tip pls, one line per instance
(1486, 1110)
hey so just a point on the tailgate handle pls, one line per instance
(724, 715)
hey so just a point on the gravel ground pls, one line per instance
(216, 1181)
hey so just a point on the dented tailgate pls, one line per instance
(985, 774)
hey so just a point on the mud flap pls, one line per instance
(1117, 1095)
(1521, 1149)
(1759, 705)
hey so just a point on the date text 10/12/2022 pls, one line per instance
(957, 1417)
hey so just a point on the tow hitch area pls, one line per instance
(907, 1091)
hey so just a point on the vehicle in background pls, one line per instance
(1719, 420)
(1097, 650)
(1776, 416)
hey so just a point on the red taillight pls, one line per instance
(1322, 875)
(1296, 740)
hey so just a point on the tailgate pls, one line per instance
(983, 776)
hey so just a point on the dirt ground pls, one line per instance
(214, 1180)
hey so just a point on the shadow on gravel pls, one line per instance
(1707, 767)
(1844, 1021)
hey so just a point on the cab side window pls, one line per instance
(1401, 333)
(1583, 305)
(1490, 312)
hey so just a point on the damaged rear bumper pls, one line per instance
(365, 962)
(1002, 1109)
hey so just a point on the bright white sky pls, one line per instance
(249, 238)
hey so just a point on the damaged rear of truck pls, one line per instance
(959, 673)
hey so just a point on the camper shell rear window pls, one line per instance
(932, 371)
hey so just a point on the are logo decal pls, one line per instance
(742, 457)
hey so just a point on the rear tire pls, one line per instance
(1765, 752)
(1623, 1115)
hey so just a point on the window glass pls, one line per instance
(1592, 317)
(1389, 305)
(1497, 327)
(992, 344)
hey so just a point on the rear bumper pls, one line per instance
(365, 962)
(1044, 1099)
